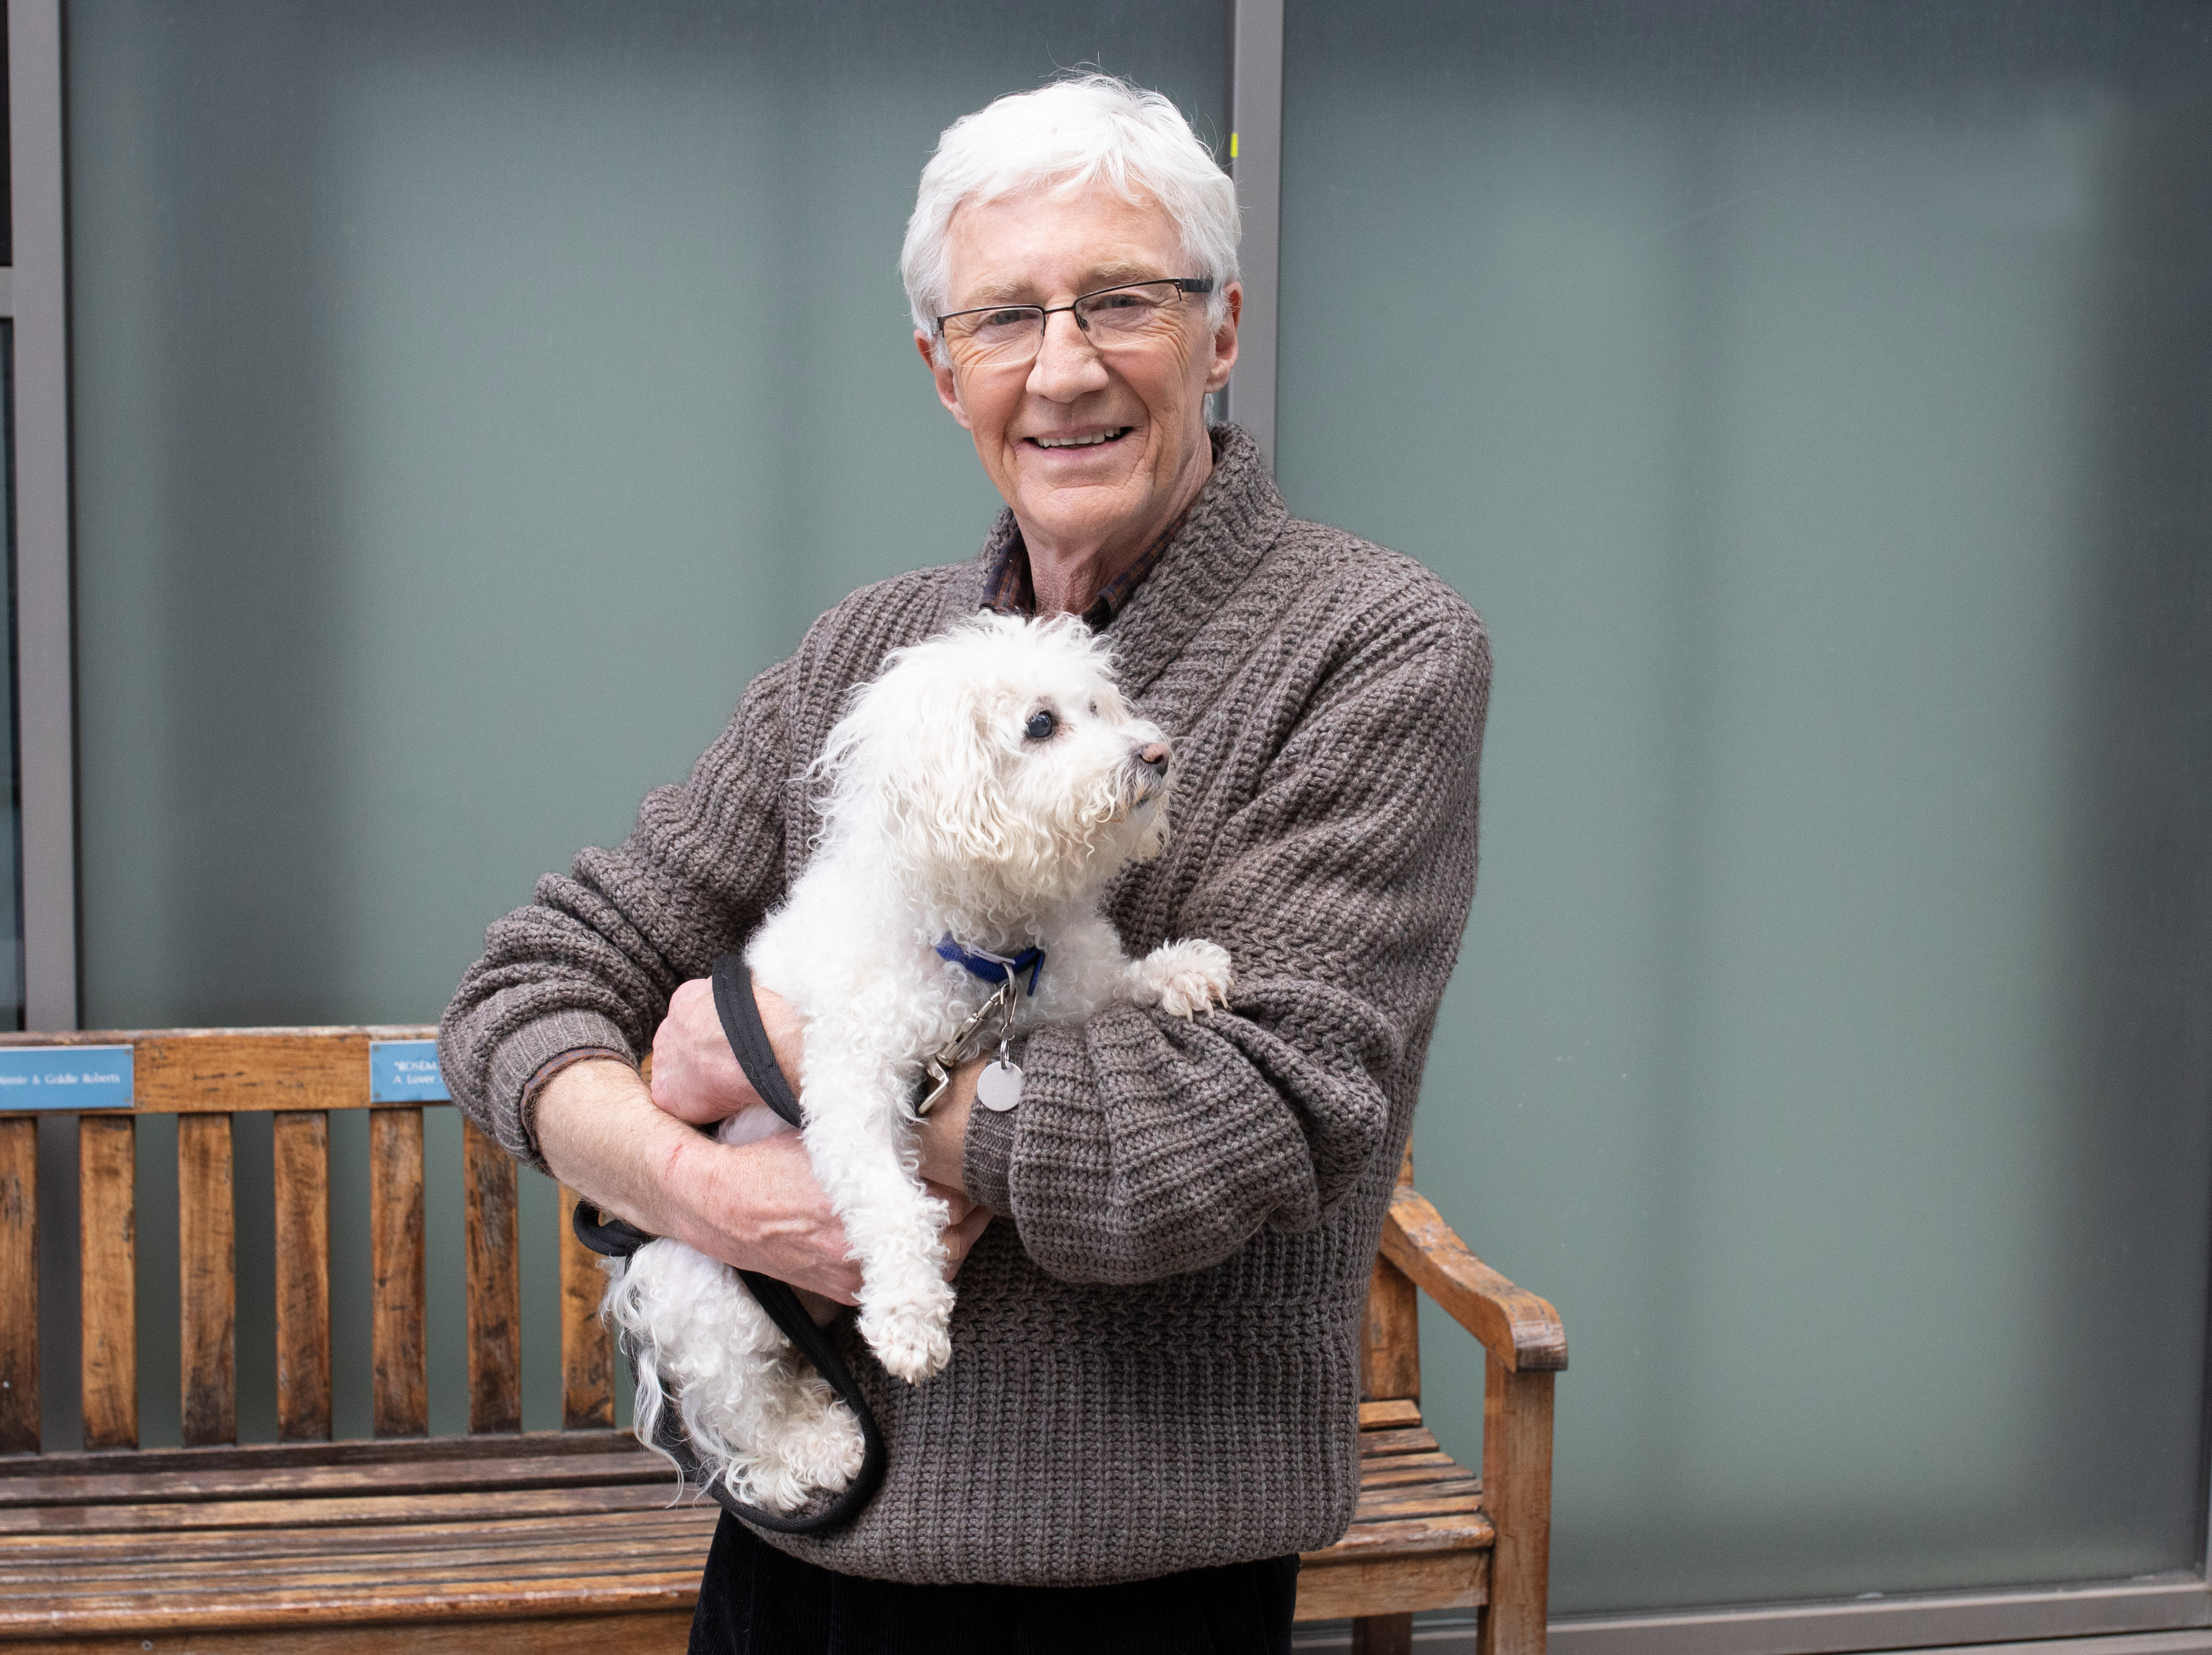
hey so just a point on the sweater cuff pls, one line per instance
(528, 1057)
(987, 1155)
(987, 1158)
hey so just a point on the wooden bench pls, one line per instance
(557, 1540)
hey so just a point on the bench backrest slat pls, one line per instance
(207, 1267)
(19, 1287)
(107, 1161)
(203, 1078)
(399, 1383)
(302, 1144)
(587, 1390)
(494, 1285)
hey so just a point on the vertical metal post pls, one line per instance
(1256, 146)
(47, 690)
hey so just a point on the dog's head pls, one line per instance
(998, 763)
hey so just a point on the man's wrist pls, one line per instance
(944, 1130)
(601, 1137)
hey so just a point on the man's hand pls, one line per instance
(754, 1205)
(696, 1078)
(695, 1075)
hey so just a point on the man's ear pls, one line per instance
(947, 392)
(1224, 339)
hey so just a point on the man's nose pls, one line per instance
(1067, 364)
(1153, 755)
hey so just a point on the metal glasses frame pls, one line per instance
(1044, 314)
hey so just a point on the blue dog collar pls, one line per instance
(993, 967)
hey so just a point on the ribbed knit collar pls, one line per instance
(1228, 529)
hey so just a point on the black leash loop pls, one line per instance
(612, 1238)
(748, 1037)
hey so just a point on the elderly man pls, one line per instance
(1151, 1408)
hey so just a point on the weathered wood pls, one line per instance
(587, 1390)
(19, 1287)
(1455, 1499)
(206, 1279)
(1382, 1634)
(385, 1451)
(1332, 1587)
(167, 1517)
(1515, 1326)
(107, 1265)
(222, 1071)
(497, 1571)
(1516, 1477)
(303, 1143)
(1417, 1440)
(1375, 1415)
(1390, 1336)
(399, 1383)
(1405, 1471)
(513, 1539)
(622, 1537)
(260, 1479)
(609, 1545)
(494, 1285)
(646, 1633)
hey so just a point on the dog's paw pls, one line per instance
(1183, 978)
(912, 1340)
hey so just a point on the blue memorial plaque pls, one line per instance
(64, 1077)
(405, 1071)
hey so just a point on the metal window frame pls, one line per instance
(2170, 1604)
(46, 688)
(1255, 152)
(1458, 1634)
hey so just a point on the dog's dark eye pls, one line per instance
(1041, 725)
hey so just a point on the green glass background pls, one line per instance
(470, 398)
(1816, 399)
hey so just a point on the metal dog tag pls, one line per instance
(1000, 1086)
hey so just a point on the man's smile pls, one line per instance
(1085, 440)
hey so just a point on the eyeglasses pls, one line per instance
(1010, 335)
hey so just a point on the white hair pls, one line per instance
(1075, 132)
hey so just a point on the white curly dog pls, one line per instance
(979, 793)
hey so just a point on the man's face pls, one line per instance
(1146, 399)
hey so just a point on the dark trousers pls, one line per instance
(755, 1600)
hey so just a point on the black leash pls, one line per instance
(611, 1238)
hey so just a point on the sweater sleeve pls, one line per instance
(1146, 1146)
(591, 962)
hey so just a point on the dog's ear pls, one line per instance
(916, 758)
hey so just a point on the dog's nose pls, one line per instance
(1154, 755)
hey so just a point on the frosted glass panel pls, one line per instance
(470, 398)
(1815, 399)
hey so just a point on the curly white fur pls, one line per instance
(944, 813)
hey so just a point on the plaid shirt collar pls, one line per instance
(1008, 589)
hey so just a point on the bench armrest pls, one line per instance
(1519, 1329)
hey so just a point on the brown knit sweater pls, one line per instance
(1156, 1349)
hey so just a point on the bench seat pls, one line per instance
(505, 1540)
(548, 1540)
